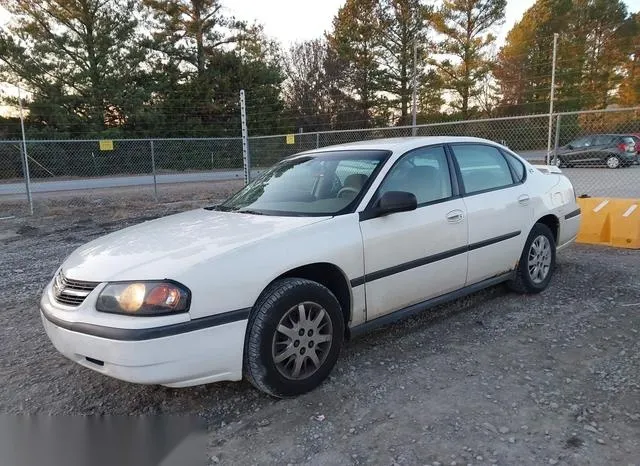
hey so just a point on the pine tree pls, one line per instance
(81, 60)
(466, 26)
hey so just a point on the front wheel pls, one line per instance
(537, 261)
(294, 337)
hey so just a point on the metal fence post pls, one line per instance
(552, 95)
(153, 170)
(318, 140)
(25, 156)
(246, 160)
(414, 106)
(556, 143)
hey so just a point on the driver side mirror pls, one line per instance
(396, 201)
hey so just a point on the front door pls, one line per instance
(581, 150)
(412, 256)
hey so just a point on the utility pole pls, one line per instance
(415, 87)
(552, 96)
(25, 157)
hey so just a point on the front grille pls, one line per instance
(71, 292)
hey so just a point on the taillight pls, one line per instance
(629, 147)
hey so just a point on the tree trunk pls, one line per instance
(404, 93)
(97, 110)
(197, 19)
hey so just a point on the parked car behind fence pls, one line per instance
(611, 150)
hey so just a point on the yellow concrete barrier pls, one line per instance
(610, 221)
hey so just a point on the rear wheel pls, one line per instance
(537, 261)
(294, 336)
(613, 161)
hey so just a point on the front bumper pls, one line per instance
(175, 355)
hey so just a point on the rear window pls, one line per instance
(517, 166)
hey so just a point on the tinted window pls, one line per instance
(603, 140)
(518, 167)
(423, 172)
(581, 142)
(482, 167)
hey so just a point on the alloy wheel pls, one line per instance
(613, 162)
(539, 262)
(302, 340)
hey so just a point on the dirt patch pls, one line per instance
(101, 205)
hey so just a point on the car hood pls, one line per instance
(161, 248)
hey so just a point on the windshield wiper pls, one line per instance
(249, 211)
(219, 207)
(223, 208)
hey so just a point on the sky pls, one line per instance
(289, 21)
(297, 20)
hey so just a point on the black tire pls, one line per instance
(523, 282)
(275, 301)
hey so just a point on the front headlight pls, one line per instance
(145, 298)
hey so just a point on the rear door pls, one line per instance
(498, 204)
(602, 147)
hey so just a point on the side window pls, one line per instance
(423, 172)
(482, 167)
(518, 167)
(581, 142)
(603, 140)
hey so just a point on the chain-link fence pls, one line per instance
(586, 145)
(597, 150)
(94, 172)
(527, 135)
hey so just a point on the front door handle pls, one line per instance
(524, 199)
(455, 216)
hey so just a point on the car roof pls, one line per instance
(398, 144)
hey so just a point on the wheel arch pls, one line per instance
(328, 275)
(551, 221)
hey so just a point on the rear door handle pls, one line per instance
(455, 216)
(524, 199)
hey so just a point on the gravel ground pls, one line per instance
(495, 378)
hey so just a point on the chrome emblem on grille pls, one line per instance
(58, 285)
(71, 292)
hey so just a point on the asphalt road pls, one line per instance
(118, 182)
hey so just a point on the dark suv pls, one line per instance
(613, 150)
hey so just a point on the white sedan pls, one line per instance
(325, 244)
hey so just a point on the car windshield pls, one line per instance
(315, 184)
